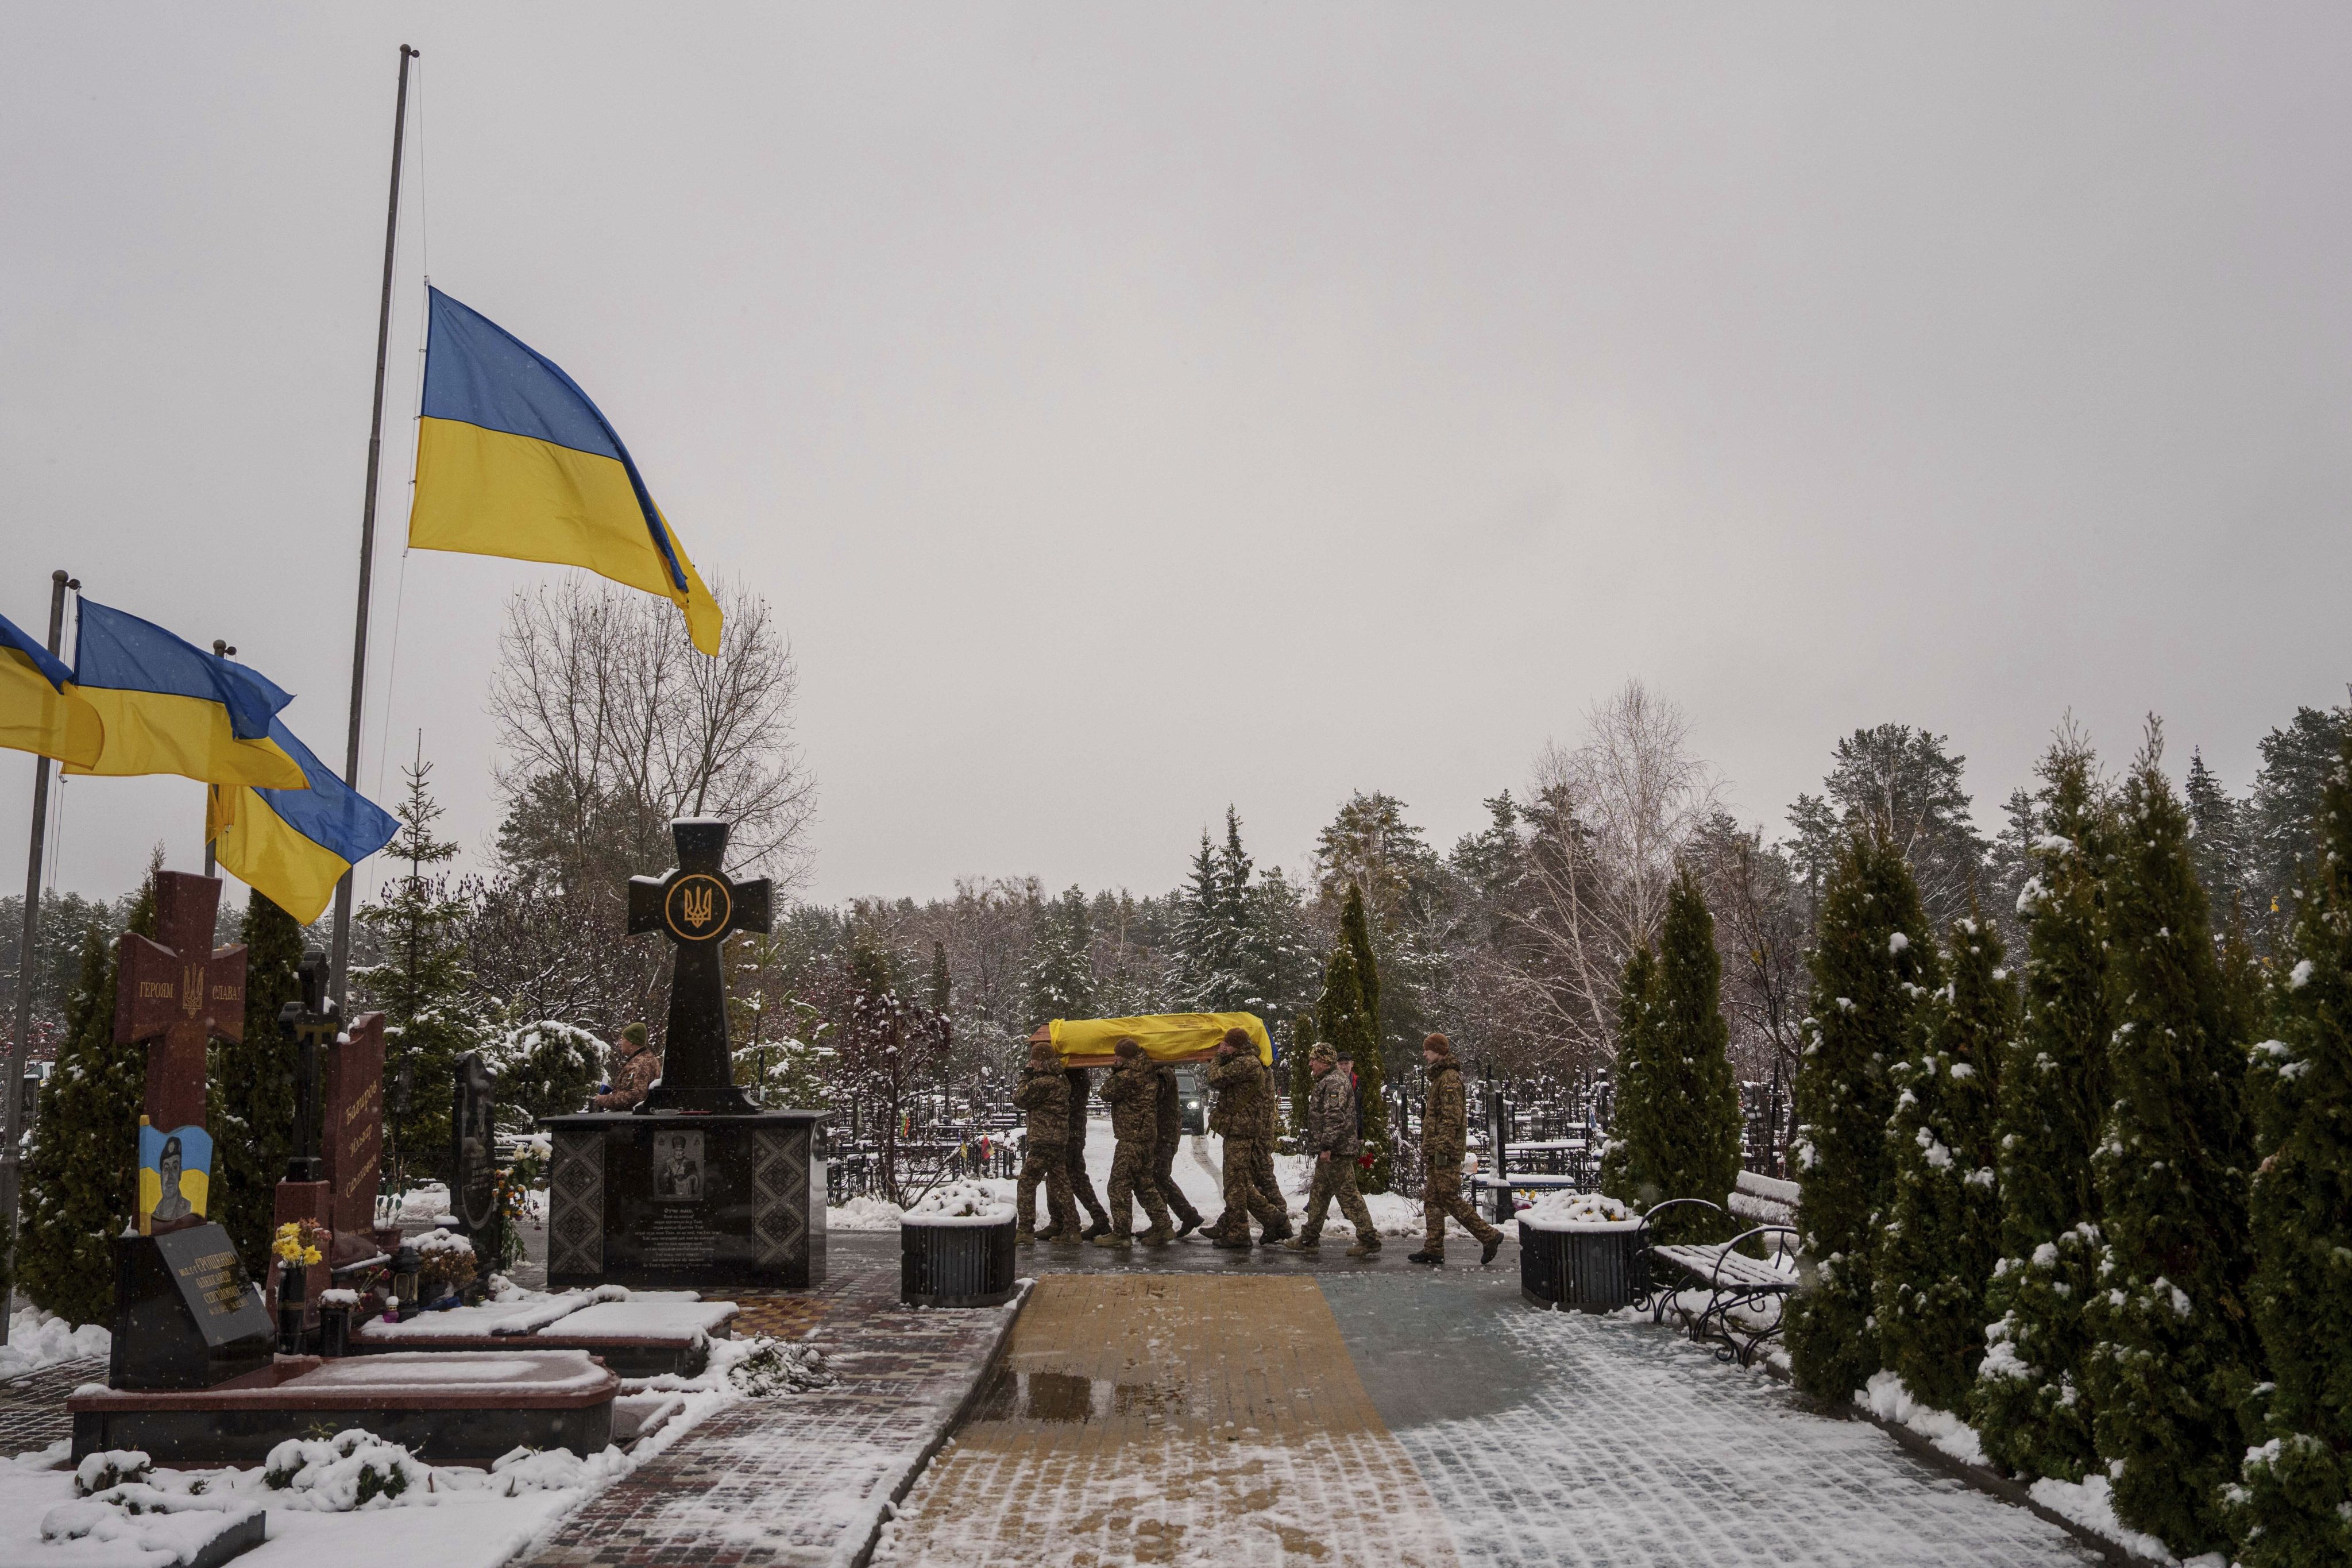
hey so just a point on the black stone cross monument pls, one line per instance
(700, 1186)
(698, 908)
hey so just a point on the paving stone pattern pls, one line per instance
(1172, 1419)
(801, 1480)
(33, 1407)
(1632, 1447)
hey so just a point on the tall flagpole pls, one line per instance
(21, 1046)
(342, 958)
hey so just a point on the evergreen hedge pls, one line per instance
(2176, 1357)
(2294, 1507)
(250, 1087)
(1634, 1079)
(1873, 963)
(2029, 1402)
(1356, 936)
(1936, 1250)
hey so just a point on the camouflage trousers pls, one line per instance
(1441, 1194)
(1132, 1179)
(1336, 1178)
(1243, 1197)
(1044, 1163)
(1163, 1175)
(1081, 1187)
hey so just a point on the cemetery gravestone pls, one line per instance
(309, 1022)
(698, 1185)
(474, 1152)
(354, 1135)
(177, 995)
(185, 1314)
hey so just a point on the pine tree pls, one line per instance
(1872, 964)
(2216, 834)
(941, 993)
(1635, 1102)
(1356, 936)
(2032, 1401)
(422, 985)
(2176, 1356)
(1059, 981)
(250, 1086)
(2295, 1508)
(80, 1181)
(1302, 1077)
(1937, 1248)
(1344, 1022)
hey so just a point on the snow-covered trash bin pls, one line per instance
(1581, 1251)
(955, 1250)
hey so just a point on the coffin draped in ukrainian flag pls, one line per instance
(1164, 1037)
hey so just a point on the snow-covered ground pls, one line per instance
(36, 1340)
(1199, 1167)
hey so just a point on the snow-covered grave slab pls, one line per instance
(442, 1408)
(637, 1333)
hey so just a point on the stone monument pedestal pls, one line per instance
(685, 1200)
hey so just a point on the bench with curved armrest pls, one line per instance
(1739, 1286)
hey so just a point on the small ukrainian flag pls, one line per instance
(40, 710)
(294, 845)
(169, 707)
(513, 459)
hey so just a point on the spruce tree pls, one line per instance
(2032, 1401)
(1302, 1077)
(1060, 979)
(1872, 964)
(1345, 1024)
(1634, 1101)
(250, 1086)
(2294, 1507)
(2176, 1355)
(1936, 1250)
(1356, 936)
(80, 1178)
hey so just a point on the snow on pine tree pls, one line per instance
(249, 1085)
(2029, 1402)
(1634, 1075)
(1371, 1076)
(1059, 981)
(2176, 1354)
(2293, 1508)
(80, 1184)
(1943, 1233)
(1302, 1075)
(1872, 964)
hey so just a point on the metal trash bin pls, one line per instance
(955, 1262)
(1592, 1268)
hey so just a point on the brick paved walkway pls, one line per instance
(802, 1481)
(33, 1407)
(1172, 1418)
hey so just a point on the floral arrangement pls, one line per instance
(445, 1264)
(300, 1242)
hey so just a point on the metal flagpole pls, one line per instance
(220, 651)
(21, 1046)
(342, 955)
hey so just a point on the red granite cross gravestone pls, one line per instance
(354, 1140)
(177, 995)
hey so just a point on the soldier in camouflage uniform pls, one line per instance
(1261, 1174)
(1169, 1137)
(1445, 1131)
(1133, 1093)
(1331, 1138)
(1239, 1114)
(1081, 1187)
(1043, 1096)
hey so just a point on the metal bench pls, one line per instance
(1744, 1294)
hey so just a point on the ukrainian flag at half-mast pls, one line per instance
(294, 845)
(39, 712)
(170, 707)
(513, 459)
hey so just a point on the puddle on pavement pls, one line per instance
(1065, 1399)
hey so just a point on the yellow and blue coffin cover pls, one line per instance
(513, 459)
(40, 710)
(169, 707)
(294, 845)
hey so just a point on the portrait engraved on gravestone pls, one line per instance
(678, 1167)
(474, 1193)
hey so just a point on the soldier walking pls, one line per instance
(1239, 1114)
(1133, 1093)
(1044, 1097)
(1444, 1132)
(1081, 1187)
(1168, 1137)
(1332, 1141)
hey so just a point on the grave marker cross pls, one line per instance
(697, 907)
(177, 995)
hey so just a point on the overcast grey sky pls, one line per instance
(1132, 410)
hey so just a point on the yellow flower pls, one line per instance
(310, 1254)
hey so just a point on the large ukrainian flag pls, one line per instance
(169, 707)
(295, 844)
(38, 713)
(513, 459)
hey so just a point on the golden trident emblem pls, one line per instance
(696, 902)
(192, 989)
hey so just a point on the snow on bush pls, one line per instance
(36, 1339)
(1572, 1211)
(959, 1203)
(1886, 1397)
(352, 1469)
(862, 1212)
